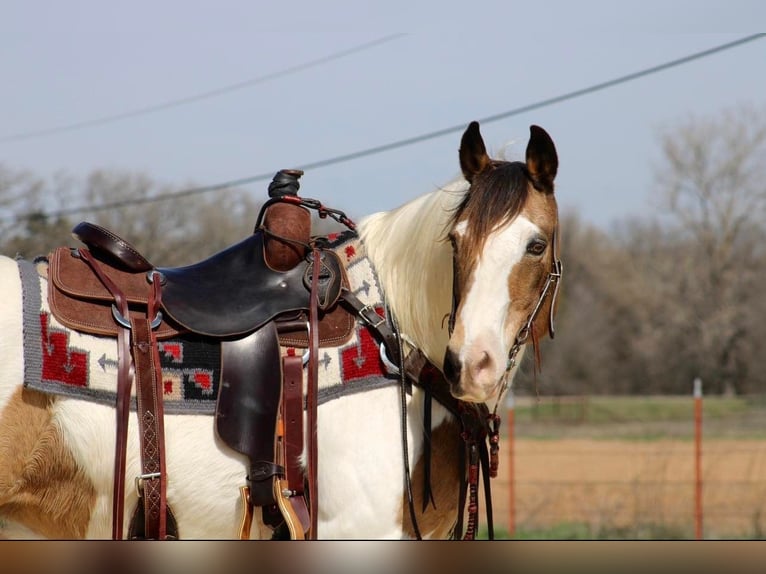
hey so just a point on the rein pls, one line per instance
(479, 433)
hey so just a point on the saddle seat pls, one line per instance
(229, 294)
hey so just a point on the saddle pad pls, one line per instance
(62, 361)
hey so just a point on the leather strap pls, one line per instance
(289, 491)
(122, 407)
(311, 395)
(150, 420)
(292, 409)
(375, 322)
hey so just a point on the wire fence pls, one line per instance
(596, 480)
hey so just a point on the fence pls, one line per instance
(577, 475)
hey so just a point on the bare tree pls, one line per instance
(25, 199)
(712, 186)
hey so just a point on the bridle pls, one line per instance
(551, 286)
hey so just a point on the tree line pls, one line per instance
(645, 307)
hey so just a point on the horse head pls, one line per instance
(505, 269)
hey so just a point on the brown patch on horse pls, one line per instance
(528, 276)
(41, 485)
(445, 483)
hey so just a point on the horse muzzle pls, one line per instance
(473, 378)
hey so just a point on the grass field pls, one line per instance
(639, 418)
(624, 468)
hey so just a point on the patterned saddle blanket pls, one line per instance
(63, 361)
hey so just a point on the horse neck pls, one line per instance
(413, 260)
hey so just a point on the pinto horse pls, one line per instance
(467, 273)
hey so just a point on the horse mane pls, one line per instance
(413, 261)
(496, 197)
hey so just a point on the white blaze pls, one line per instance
(486, 302)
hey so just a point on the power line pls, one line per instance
(198, 97)
(408, 141)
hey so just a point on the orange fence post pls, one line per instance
(698, 458)
(511, 470)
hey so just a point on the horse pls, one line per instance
(466, 272)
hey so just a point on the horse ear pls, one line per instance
(473, 153)
(542, 160)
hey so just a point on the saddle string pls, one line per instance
(124, 384)
(138, 334)
(322, 210)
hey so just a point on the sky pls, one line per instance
(410, 68)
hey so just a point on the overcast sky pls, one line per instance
(441, 64)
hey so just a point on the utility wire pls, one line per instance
(404, 142)
(198, 97)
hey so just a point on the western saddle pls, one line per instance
(279, 285)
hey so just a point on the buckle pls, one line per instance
(371, 317)
(125, 322)
(140, 481)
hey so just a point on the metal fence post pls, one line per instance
(698, 458)
(510, 403)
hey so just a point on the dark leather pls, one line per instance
(79, 300)
(149, 411)
(248, 404)
(110, 247)
(234, 291)
(292, 415)
(137, 530)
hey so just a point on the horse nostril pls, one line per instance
(451, 367)
(484, 363)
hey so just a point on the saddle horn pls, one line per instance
(289, 225)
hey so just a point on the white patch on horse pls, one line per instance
(12, 371)
(198, 464)
(484, 310)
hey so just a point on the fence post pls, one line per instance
(698, 458)
(510, 403)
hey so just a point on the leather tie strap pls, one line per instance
(124, 384)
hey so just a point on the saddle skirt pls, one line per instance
(79, 358)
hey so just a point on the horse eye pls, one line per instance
(536, 247)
